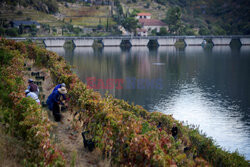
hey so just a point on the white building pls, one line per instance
(151, 24)
(142, 32)
(148, 24)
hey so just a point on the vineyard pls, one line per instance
(126, 134)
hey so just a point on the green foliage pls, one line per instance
(46, 27)
(163, 31)
(130, 23)
(231, 14)
(205, 147)
(204, 31)
(19, 12)
(12, 32)
(173, 19)
(100, 27)
(147, 5)
(5, 57)
(77, 30)
(154, 32)
(33, 30)
(187, 31)
(162, 2)
(217, 30)
(23, 117)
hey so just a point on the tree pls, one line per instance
(2, 31)
(21, 28)
(154, 32)
(204, 31)
(100, 27)
(163, 31)
(173, 19)
(130, 23)
(33, 30)
(11, 32)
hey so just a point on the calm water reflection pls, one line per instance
(206, 87)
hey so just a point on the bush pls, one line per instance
(204, 31)
(163, 31)
(19, 12)
(23, 117)
(147, 5)
(100, 27)
(13, 32)
(5, 57)
(2, 31)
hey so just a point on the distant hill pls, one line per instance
(198, 17)
(47, 6)
(217, 17)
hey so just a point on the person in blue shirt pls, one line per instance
(60, 86)
(54, 100)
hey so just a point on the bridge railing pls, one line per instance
(130, 37)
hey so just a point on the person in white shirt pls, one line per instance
(33, 95)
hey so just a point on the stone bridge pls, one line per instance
(137, 41)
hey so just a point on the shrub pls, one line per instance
(23, 117)
(13, 32)
(19, 12)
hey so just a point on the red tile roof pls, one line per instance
(151, 22)
(143, 14)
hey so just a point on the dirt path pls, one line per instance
(66, 133)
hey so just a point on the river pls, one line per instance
(207, 87)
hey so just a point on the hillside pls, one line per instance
(127, 135)
(213, 17)
(198, 17)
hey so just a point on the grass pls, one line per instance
(84, 10)
(86, 16)
(73, 160)
(32, 14)
(90, 21)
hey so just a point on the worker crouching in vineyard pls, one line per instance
(54, 100)
(32, 95)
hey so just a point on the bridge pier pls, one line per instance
(245, 41)
(221, 41)
(166, 41)
(111, 42)
(54, 42)
(139, 42)
(193, 41)
(83, 42)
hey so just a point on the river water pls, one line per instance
(207, 87)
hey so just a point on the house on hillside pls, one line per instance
(18, 23)
(148, 24)
(152, 24)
